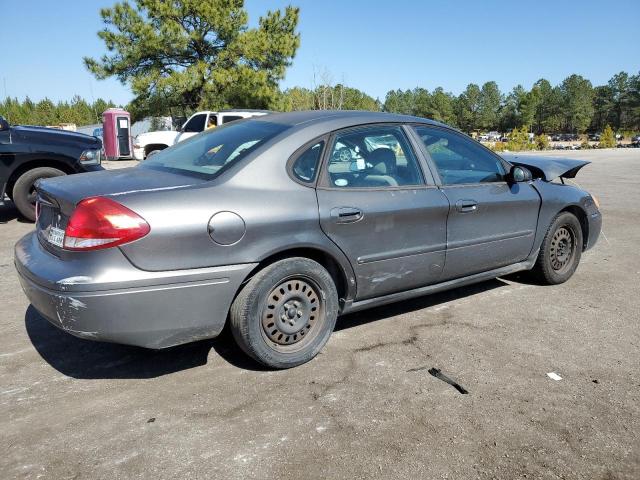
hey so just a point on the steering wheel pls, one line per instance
(343, 154)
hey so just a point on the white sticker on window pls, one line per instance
(122, 123)
(341, 182)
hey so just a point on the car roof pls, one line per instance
(234, 110)
(341, 118)
(248, 110)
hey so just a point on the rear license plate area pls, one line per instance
(55, 236)
(51, 225)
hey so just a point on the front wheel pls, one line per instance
(285, 314)
(560, 251)
(24, 192)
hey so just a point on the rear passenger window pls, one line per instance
(371, 157)
(306, 165)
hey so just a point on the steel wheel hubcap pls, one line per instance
(562, 245)
(293, 307)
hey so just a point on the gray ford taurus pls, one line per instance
(281, 223)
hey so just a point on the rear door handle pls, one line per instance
(346, 214)
(466, 206)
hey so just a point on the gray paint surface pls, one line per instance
(407, 238)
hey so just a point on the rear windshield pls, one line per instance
(207, 154)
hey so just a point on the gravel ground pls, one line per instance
(366, 407)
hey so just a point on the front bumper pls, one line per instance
(595, 227)
(138, 153)
(122, 304)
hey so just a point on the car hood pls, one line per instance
(548, 168)
(43, 135)
(67, 191)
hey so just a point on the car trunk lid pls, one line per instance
(58, 197)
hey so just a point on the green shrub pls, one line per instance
(498, 146)
(541, 142)
(608, 139)
(519, 140)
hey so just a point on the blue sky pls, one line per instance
(372, 45)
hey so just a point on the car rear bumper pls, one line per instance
(147, 309)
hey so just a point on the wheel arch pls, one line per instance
(341, 275)
(581, 215)
(37, 163)
(154, 146)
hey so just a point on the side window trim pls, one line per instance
(421, 155)
(322, 178)
(432, 165)
(295, 155)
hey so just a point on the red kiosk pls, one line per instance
(116, 134)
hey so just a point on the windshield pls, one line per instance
(206, 154)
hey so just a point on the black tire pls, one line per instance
(285, 314)
(23, 190)
(560, 251)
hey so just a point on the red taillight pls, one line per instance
(99, 222)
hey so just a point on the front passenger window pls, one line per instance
(460, 160)
(196, 123)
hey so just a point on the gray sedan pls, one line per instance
(281, 223)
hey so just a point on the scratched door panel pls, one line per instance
(399, 241)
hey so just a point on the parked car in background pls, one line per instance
(262, 223)
(150, 142)
(28, 154)
(97, 132)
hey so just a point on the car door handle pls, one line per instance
(466, 206)
(346, 214)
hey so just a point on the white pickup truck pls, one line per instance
(145, 143)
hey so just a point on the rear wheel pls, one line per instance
(560, 251)
(24, 192)
(285, 314)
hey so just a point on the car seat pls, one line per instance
(383, 170)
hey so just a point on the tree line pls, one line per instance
(46, 112)
(573, 106)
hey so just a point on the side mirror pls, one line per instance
(4, 125)
(519, 174)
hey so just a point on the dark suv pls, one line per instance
(28, 154)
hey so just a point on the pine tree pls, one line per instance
(196, 54)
